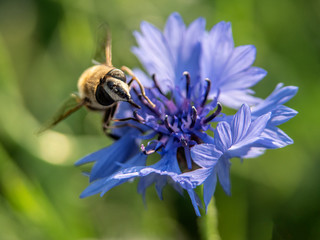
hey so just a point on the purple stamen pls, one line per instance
(152, 147)
(144, 102)
(207, 92)
(156, 84)
(194, 116)
(137, 117)
(212, 116)
(187, 76)
(167, 124)
(187, 153)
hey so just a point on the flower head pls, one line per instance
(192, 75)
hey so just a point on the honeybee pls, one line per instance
(100, 88)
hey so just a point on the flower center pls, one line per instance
(179, 118)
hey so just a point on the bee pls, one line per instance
(100, 88)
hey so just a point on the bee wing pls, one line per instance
(72, 104)
(103, 50)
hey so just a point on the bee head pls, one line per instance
(113, 88)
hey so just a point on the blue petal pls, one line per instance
(234, 98)
(242, 80)
(154, 54)
(204, 137)
(159, 184)
(274, 137)
(205, 155)
(241, 59)
(106, 183)
(92, 157)
(217, 49)
(194, 178)
(257, 127)
(184, 44)
(209, 188)
(137, 160)
(154, 43)
(229, 68)
(241, 123)
(223, 171)
(191, 49)
(111, 183)
(174, 33)
(144, 183)
(119, 152)
(282, 114)
(254, 132)
(254, 152)
(102, 185)
(166, 170)
(94, 188)
(142, 76)
(278, 97)
(171, 53)
(271, 138)
(223, 136)
(194, 202)
(166, 166)
(175, 185)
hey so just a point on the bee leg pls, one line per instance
(108, 115)
(134, 78)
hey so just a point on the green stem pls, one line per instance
(209, 223)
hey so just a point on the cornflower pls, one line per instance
(191, 76)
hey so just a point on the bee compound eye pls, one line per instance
(118, 74)
(110, 85)
(103, 97)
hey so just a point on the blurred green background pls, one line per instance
(44, 47)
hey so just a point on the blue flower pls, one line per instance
(170, 130)
(193, 74)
